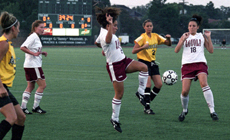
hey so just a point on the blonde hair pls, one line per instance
(7, 21)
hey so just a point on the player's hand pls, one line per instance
(207, 33)
(109, 18)
(168, 36)
(44, 53)
(3, 92)
(103, 53)
(185, 36)
(146, 45)
(37, 53)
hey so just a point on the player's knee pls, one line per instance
(144, 67)
(43, 86)
(159, 85)
(21, 118)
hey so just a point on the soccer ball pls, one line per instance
(169, 77)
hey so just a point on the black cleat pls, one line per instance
(214, 116)
(141, 98)
(38, 110)
(182, 116)
(116, 125)
(149, 111)
(26, 111)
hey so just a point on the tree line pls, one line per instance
(168, 18)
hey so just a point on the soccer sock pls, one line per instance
(184, 102)
(17, 132)
(25, 99)
(209, 98)
(116, 106)
(154, 93)
(4, 128)
(147, 98)
(37, 99)
(143, 77)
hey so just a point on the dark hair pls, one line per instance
(36, 23)
(147, 20)
(197, 19)
(101, 13)
(7, 21)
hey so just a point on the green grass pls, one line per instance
(79, 93)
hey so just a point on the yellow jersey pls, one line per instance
(149, 54)
(8, 65)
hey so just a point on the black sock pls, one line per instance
(4, 128)
(17, 132)
(154, 93)
(147, 98)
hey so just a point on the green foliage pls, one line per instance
(166, 17)
(79, 93)
(24, 10)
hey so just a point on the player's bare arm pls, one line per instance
(26, 50)
(3, 50)
(98, 44)
(137, 48)
(208, 42)
(109, 27)
(181, 42)
(168, 40)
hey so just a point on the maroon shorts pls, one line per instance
(116, 70)
(191, 71)
(33, 74)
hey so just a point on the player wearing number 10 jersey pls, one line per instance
(117, 63)
(194, 64)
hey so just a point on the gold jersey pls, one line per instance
(149, 54)
(8, 65)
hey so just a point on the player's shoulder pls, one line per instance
(4, 45)
(33, 36)
(141, 37)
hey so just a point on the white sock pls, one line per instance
(184, 102)
(116, 106)
(143, 77)
(209, 98)
(25, 99)
(37, 99)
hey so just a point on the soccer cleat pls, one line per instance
(141, 98)
(149, 111)
(116, 125)
(38, 110)
(214, 116)
(26, 111)
(182, 116)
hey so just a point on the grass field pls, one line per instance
(79, 93)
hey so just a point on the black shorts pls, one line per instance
(153, 68)
(8, 99)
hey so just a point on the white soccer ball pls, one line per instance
(169, 77)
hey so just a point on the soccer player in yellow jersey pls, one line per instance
(9, 106)
(146, 47)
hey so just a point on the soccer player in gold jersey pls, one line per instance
(145, 47)
(9, 106)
